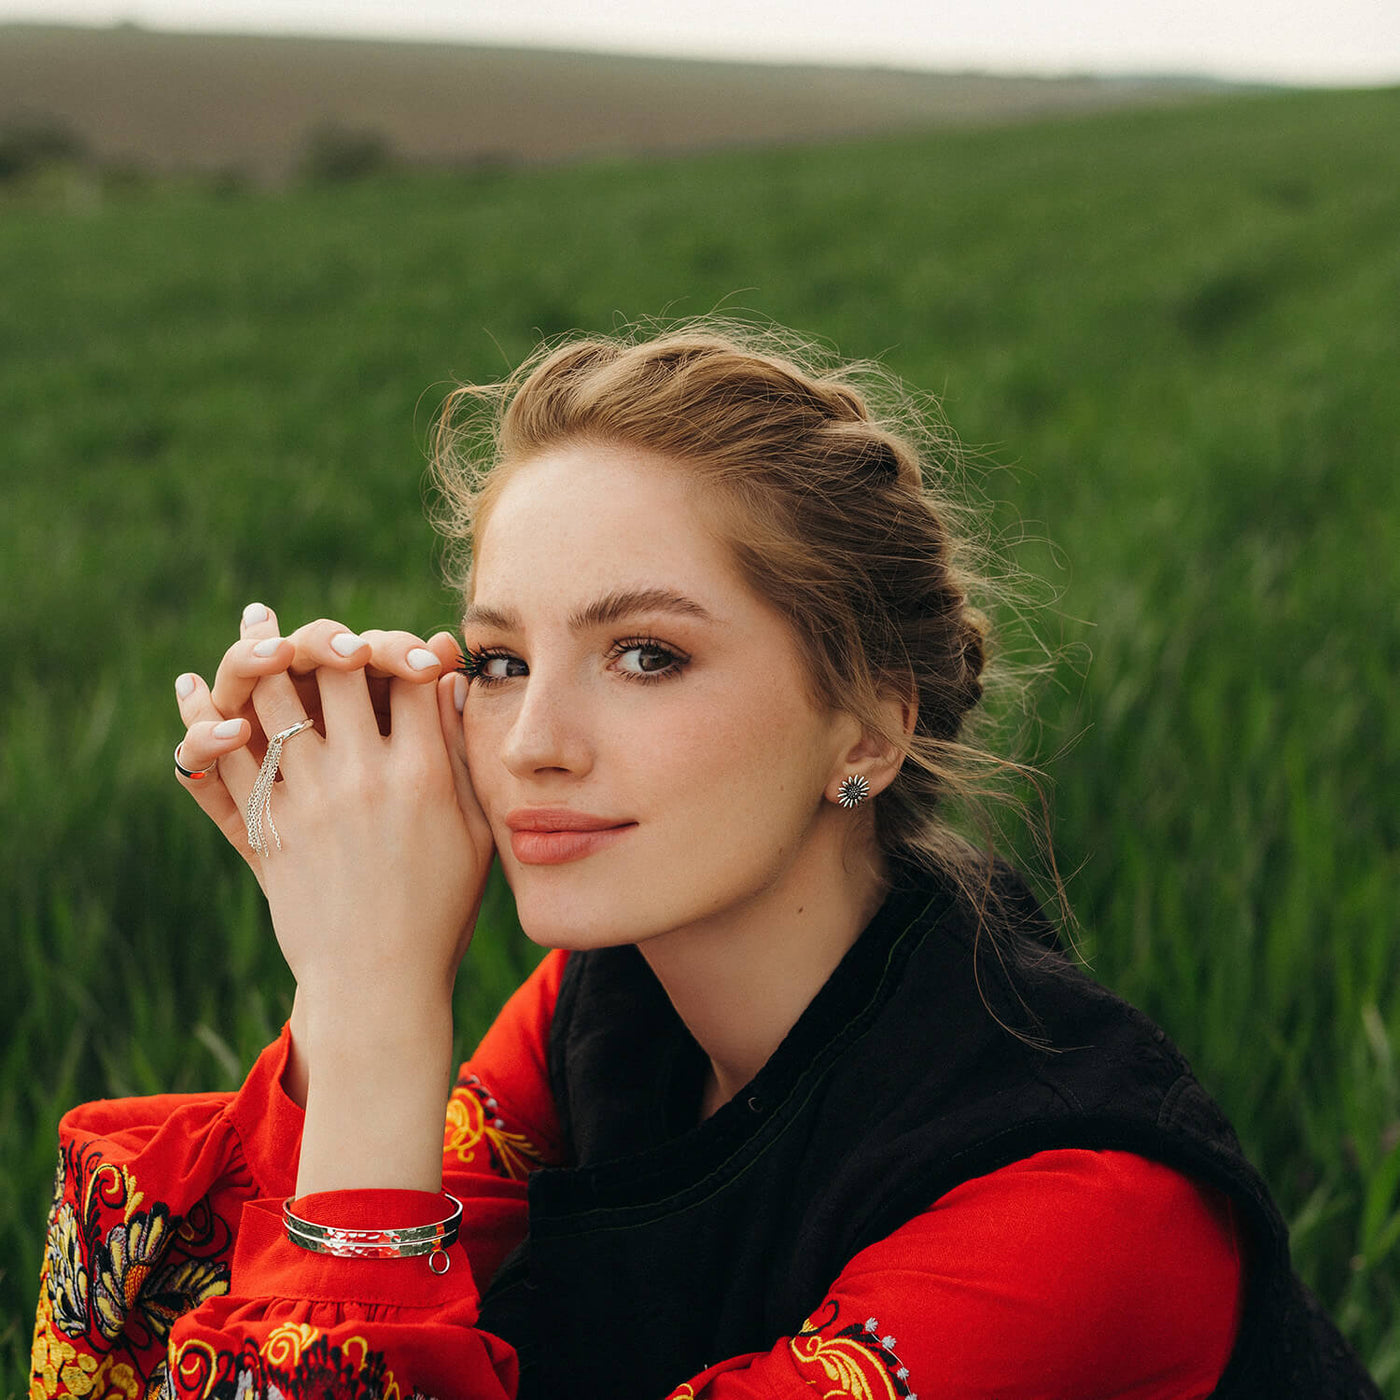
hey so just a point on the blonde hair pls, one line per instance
(835, 489)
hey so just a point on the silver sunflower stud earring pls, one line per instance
(853, 791)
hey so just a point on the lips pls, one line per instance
(553, 836)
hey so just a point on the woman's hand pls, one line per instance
(225, 720)
(383, 786)
(375, 890)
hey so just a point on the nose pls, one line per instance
(548, 733)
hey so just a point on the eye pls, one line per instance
(645, 660)
(489, 668)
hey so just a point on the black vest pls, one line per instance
(669, 1246)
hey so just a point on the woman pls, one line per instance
(803, 1097)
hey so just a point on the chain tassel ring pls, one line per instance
(259, 809)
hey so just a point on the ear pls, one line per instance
(870, 756)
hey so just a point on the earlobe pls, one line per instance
(873, 761)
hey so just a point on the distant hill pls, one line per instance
(174, 102)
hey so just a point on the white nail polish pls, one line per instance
(459, 692)
(420, 658)
(228, 728)
(267, 646)
(346, 643)
(253, 614)
(184, 686)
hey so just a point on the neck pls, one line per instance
(740, 983)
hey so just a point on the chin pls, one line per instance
(559, 918)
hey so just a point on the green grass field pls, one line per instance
(1175, 330)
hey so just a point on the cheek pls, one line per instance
(482, 735)
(742, 754)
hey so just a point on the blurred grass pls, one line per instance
(1178, 331)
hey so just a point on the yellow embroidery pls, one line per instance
(852, 1369)
(112, 1185)
(284, 1349)
(472, 1120)
(686, 1392)
(856, 1363)
(283, 1345)
(58, 1368)
(50, 1352)
(389, 1387)
(192, 1365)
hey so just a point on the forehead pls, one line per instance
(584, 516)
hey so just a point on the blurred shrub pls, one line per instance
(336, 152)
(31, 140)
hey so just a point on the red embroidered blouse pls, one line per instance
(1069, 1274)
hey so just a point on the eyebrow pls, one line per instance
(611, 607)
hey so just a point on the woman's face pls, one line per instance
(639, 730)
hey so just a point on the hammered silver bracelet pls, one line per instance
(399, 1242)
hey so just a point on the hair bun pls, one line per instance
(844, 405)
(974, 654)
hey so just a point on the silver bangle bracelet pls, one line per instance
(396, 1243)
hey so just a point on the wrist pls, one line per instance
(377, 1086)
(392, 1020)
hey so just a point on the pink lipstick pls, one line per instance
(554, 835)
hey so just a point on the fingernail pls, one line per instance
(228, 729)
(459, 692)
(254, 613)
(184, 686)
(346, 643)
(420, 658)
(267, 646)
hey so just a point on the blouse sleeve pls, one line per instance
(1069, 1274)
(147, 1200)
(166, 1265)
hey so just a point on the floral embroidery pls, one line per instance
(65, 1276)
(57, 1367)
(115, 1278)
(121, 1265)
(855, 1361)
(294, 1359)
(473, 1120)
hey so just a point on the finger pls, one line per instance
(346, 707)
(417, 718)
(212, 738)
(327, 643)
(213, 746)
(206, 742)
(259, 652)
(253, 674)
(327, 671)
(405, 656)
(398, 655)
(217, 803)
(279, 709)
(258, 620)
(451, 698)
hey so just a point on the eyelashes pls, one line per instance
(473, 663)
(674, 663)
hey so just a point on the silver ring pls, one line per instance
(193, 772)
(259, 808)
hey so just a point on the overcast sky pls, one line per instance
(1315, 41)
